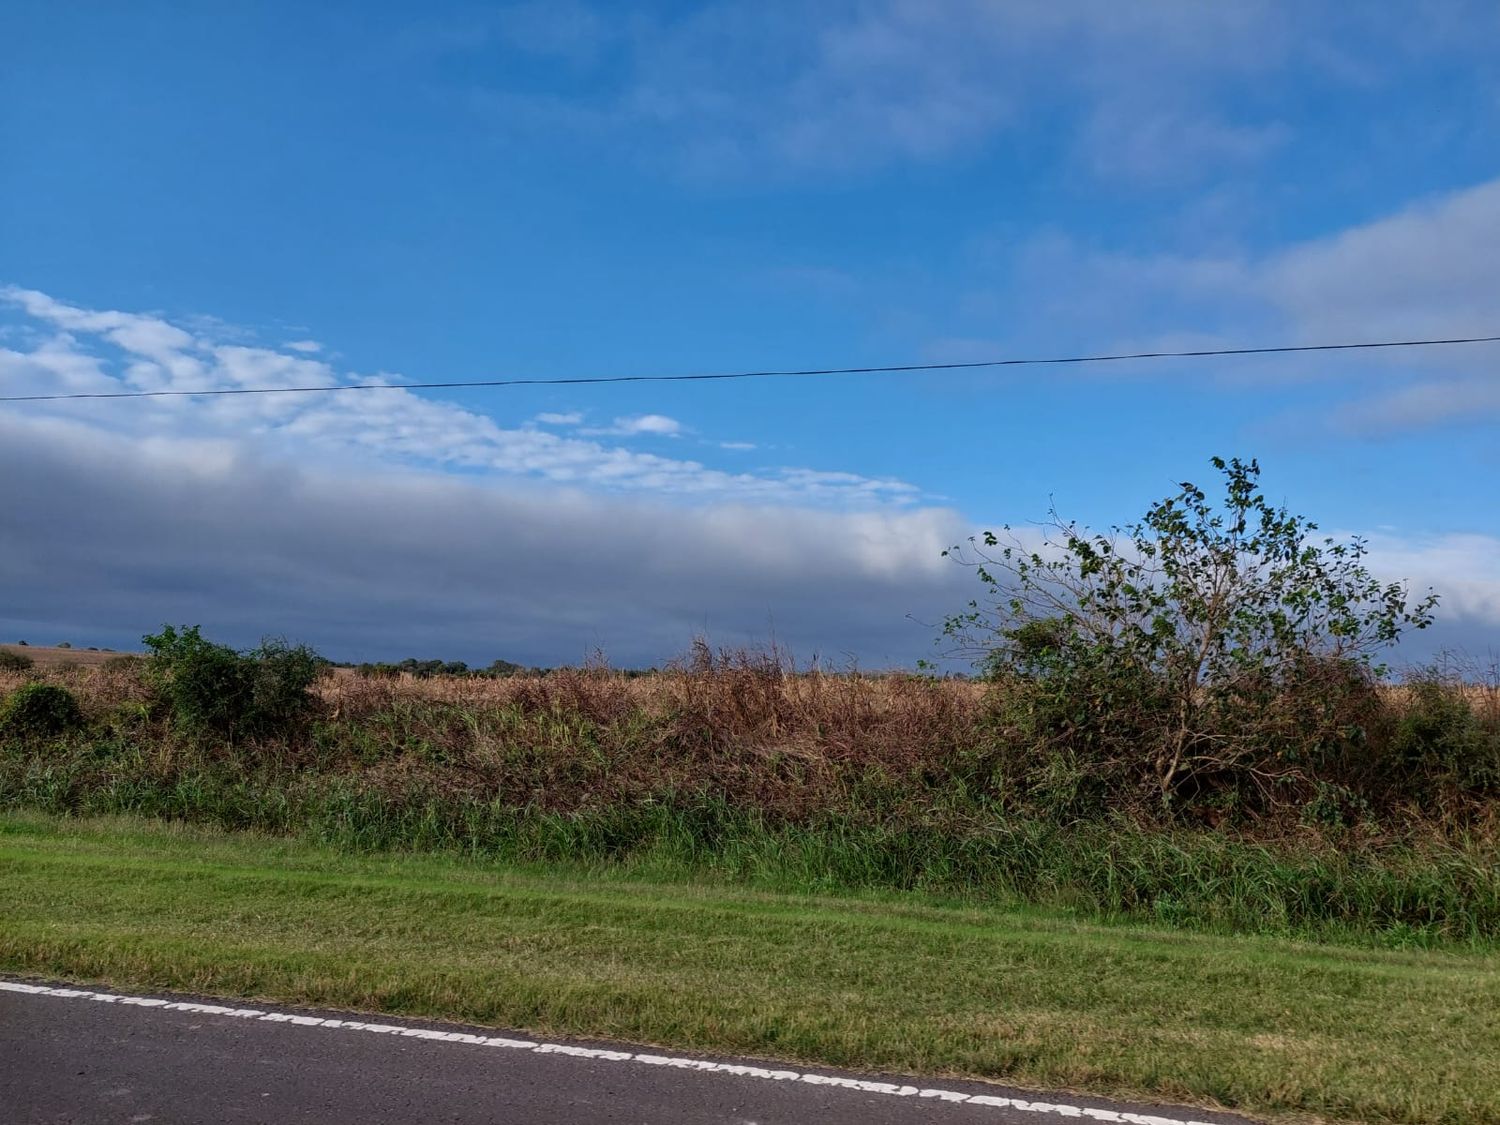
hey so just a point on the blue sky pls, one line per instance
(206, 195)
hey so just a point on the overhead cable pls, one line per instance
(593, 380)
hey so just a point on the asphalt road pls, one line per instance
(72, 1054)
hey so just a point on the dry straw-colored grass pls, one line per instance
(750, 729)
(742, 725)
(99, 685)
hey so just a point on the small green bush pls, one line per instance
(1442, 740)
(40, 711)
(14, 661)
(214, 689)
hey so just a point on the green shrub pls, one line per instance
(14, 661)
(40, 711)
(1441, 740)
(1209, 651)
(214, 689)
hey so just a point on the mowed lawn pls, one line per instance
(1276, 1027)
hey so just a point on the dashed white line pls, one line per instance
(740, 1070)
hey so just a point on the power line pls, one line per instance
(705, 377)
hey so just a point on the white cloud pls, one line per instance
(306, 347)
(658, 424)
(94, 350)
(1424, 404)
(737, 446)
(655, 425)
(1162, 145)
(1429, 270)
(1153, 89)
(1463, 568)
(549, 418)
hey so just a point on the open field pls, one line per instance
(49, 656)
(913, 983)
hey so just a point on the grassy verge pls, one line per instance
(1432, 894)
(1035, 998)
(733, 769)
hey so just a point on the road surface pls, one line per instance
(77, 1054)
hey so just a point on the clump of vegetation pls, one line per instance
(40, 711)
(1443, 744)
(425, 669)
(14, 661)
(1214, 655)
(414, 667)
(213, 689)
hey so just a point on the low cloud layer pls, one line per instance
(383, 525)
(110, 537)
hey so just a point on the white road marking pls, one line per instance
(740, 1070)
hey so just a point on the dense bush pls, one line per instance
(1212, 655)
(1441, 743)
(14, 661)
(40, 711)
(213, 689)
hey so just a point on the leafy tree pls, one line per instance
(1198, 640)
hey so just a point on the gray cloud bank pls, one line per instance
(107, 537)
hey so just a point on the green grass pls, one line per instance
(904, 983)
(1399, 894)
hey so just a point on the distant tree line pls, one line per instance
(426, 668)
(496, 669)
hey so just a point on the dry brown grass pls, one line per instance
(747, 728)
(740, 725)
(733, 692)
(98, 683)
(47, 656)
(743, 698)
